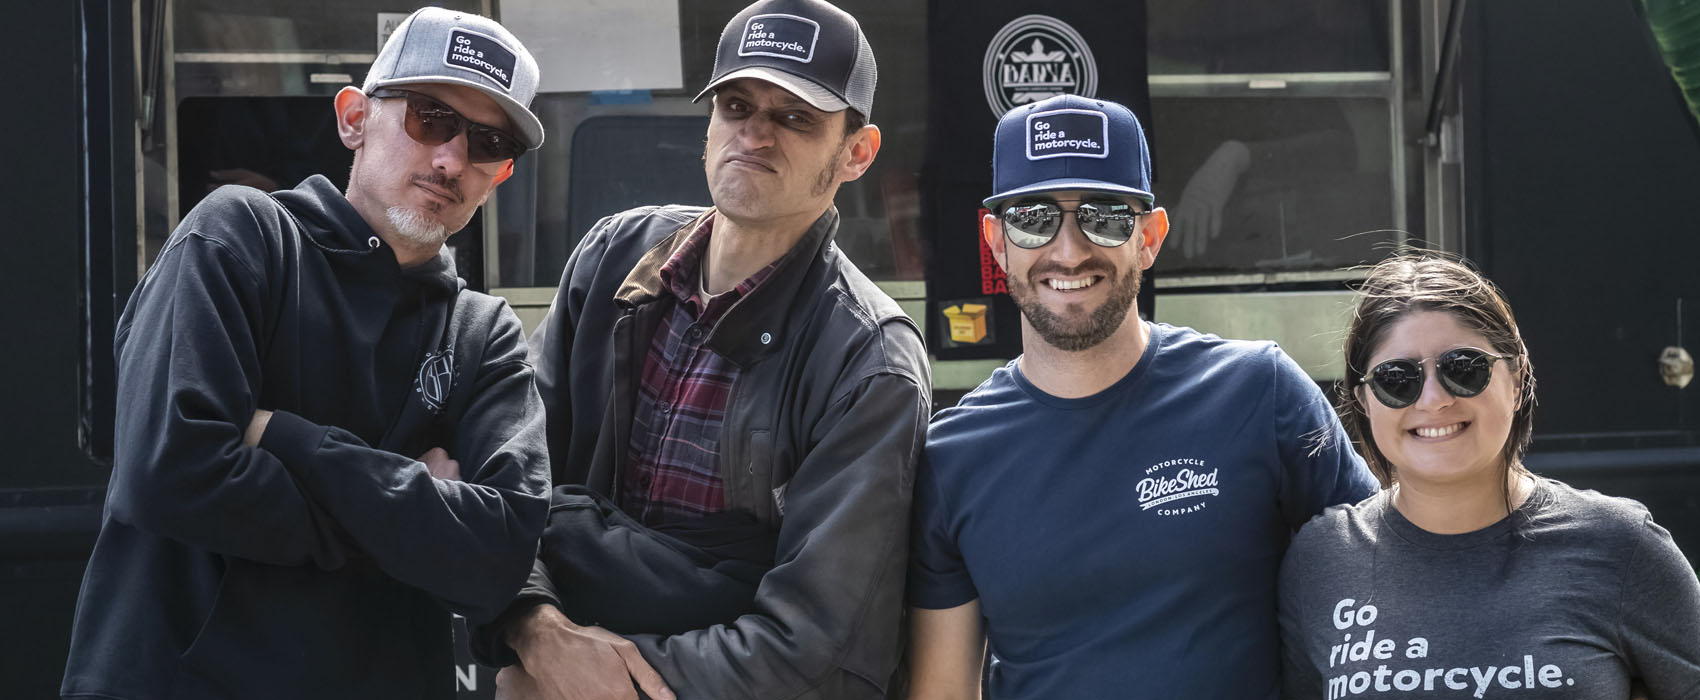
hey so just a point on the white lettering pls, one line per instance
(1460, 685)
(1185, 479)
(1344, 621)
(1384, 649)
(1417, 648)
(1504, 682)
(467, 678)
(1430, 675)
(1483, 680)
(1399, 680)
(1550, 676)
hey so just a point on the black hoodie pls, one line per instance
(325, 562)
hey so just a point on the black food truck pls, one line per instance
(1546, 140)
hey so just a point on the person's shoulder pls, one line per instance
(983, 406)
(856, 303)
(643, 226)
(1590, 511)
(1213, 352)
(241, 220)
(1245, 368)
(1340, 526)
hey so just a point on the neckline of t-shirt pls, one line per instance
(1411, 533)
(1158, 335)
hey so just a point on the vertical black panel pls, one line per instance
(957, 173)
(1581, 176)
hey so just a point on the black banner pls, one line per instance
(986, 57)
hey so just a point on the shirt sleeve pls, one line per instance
(1319, 466)
(1300, 679)
(938, 577)
(1660, 621)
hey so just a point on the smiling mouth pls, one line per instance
(1071, 285)
(1439, 432)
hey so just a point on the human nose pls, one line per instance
(1434, 396)
(1070, 247)
(451, 156)
(756, 132)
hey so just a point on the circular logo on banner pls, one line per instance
(1035, 57)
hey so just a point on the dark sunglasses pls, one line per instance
(1106, 222)
(1463, 372)
(433, 123)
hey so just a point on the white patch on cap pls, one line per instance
(1068, 133)
(780, 36)
(482, 54)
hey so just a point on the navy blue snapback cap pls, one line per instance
(810, 48)
(1069, 142)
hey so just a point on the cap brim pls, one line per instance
(808, 90)
(1069, 183)
(529, 126)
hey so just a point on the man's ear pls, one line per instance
(864, 145)
(1152, 235)
(506, 172)
(991, 229)
(351, 112)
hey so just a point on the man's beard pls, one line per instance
(1099, 324)
(416, 227)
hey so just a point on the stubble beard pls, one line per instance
(417, 228)
(1099, 324)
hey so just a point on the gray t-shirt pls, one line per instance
(1570, 596)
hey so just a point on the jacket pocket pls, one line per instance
(753, 482)
(294, 632)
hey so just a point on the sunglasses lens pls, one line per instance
(486, 145)
(1032, 225)
(1108, 224)
(1465, 371)
(433, 123)
(1397, 383)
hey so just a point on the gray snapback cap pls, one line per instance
(434, 45)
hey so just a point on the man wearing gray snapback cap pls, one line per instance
(734, 412)
(325, 444)
(1105, 515)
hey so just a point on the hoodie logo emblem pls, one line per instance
(436, 378)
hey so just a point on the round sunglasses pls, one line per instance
(433, 123)
(1106, 222)
(1463, 372)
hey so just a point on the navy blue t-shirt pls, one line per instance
(1126, 544)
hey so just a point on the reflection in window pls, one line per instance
(607, 152)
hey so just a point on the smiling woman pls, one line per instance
(1468, 570)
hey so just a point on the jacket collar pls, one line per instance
(332, 224)
(757, 324)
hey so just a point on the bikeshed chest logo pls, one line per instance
(481, 54)
(435, 379)
(1081, 133)
(1178, 487)
(780, 36)
(1035, 57)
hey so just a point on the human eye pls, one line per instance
(734, 107)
